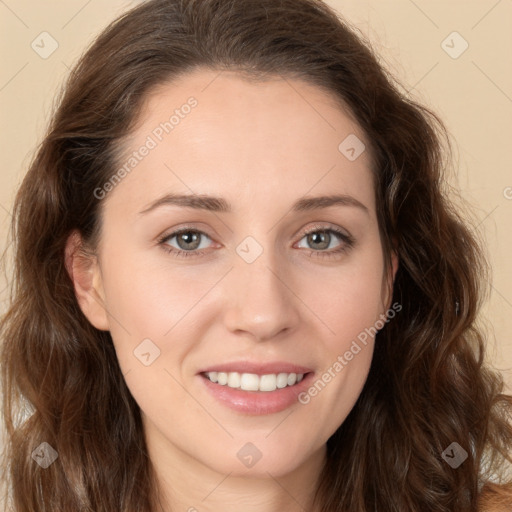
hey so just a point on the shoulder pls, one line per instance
(495, 498)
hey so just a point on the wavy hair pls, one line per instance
(428, 384)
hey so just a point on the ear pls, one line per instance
(85, 273)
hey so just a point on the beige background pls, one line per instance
(472, 93)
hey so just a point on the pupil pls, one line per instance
(321, 237)
(189, 237)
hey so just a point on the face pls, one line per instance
(217, 254)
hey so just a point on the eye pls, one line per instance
(319, 239)
(187, 242)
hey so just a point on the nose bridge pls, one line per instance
(259, 301)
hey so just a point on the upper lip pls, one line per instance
(258, 368)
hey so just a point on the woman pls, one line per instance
(176, 336)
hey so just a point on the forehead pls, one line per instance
(218, 133)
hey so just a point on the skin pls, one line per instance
(261, 146)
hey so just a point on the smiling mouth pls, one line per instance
(254, 382)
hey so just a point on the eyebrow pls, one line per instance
(219, 204)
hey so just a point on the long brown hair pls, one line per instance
(428, 386)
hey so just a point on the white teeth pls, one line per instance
(267, 382)
(292, 379)
(282, 380)
(253, 382)
(234, 380)
(249, 382)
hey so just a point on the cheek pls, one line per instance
(349, 304)
(148, 298)
(350, 308)
(157, 302)
(150, 309)
(348, 301)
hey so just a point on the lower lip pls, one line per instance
(257, 402)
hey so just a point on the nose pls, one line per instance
(260, 300)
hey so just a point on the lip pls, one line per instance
(257, 403)
(258, 368)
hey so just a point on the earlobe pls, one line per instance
(85, 273)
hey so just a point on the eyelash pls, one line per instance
(348, 242)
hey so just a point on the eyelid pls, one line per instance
(185, 227)
(323, 227)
